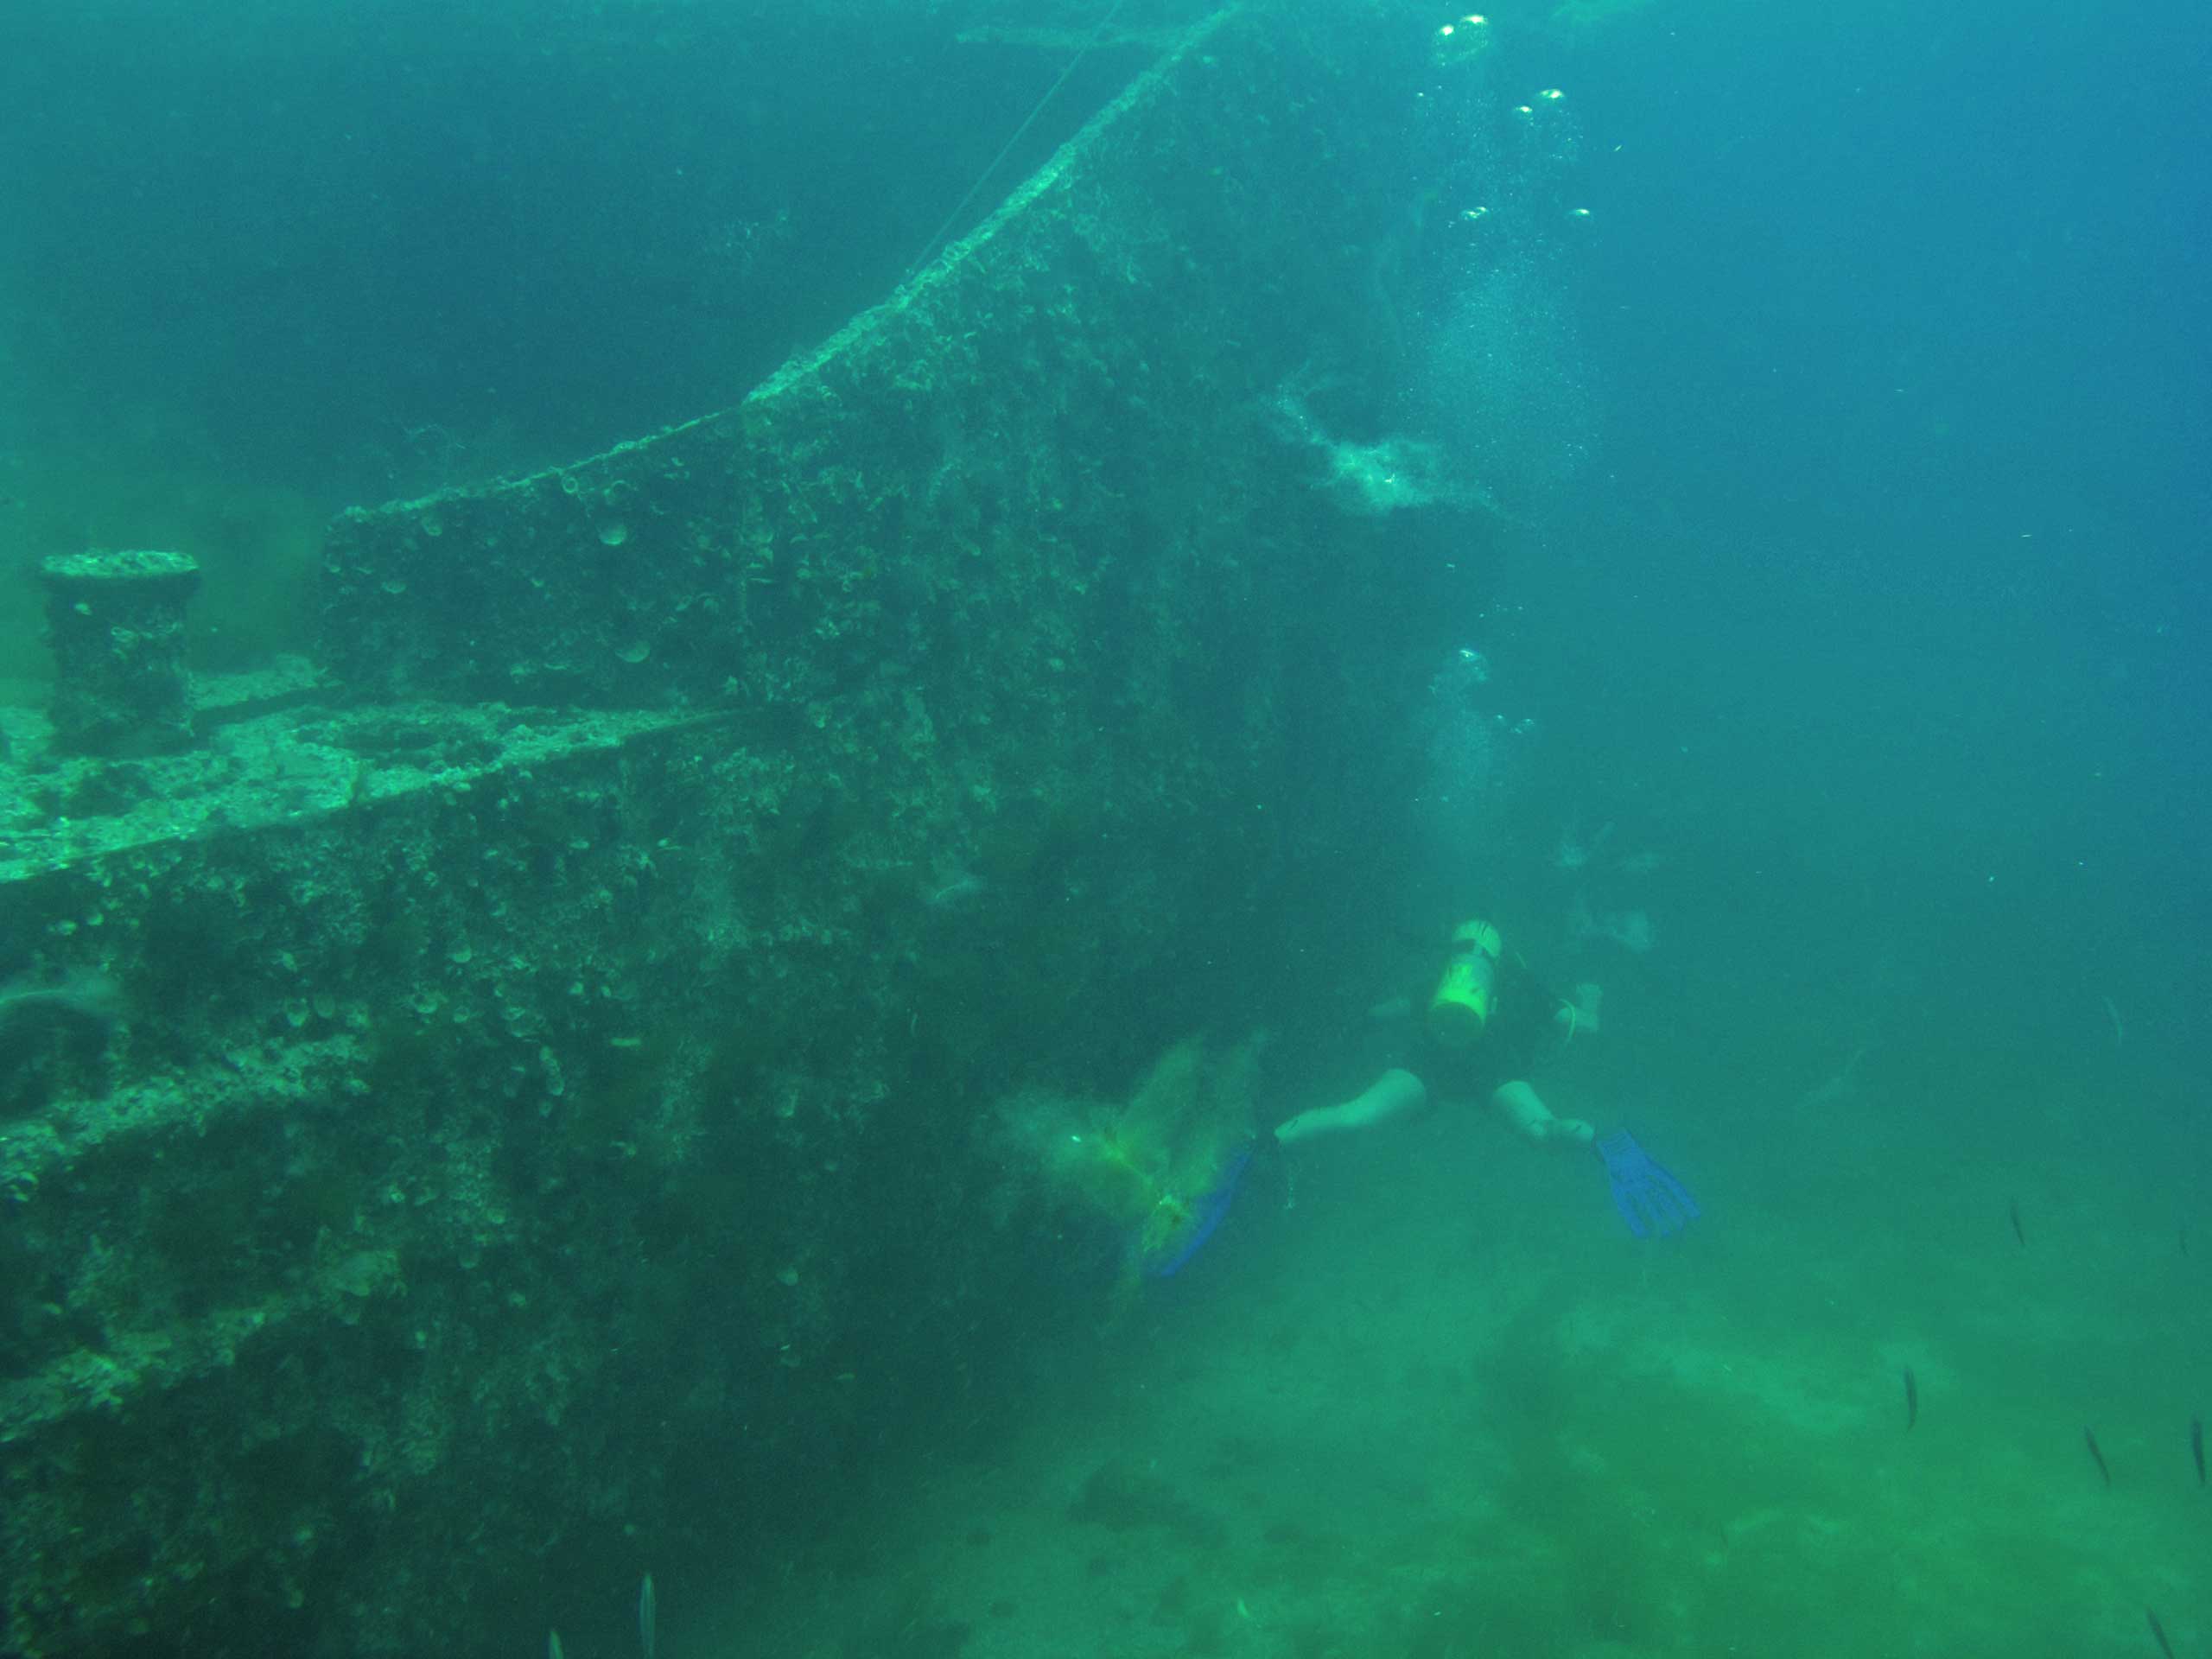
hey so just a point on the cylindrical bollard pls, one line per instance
(116, 622)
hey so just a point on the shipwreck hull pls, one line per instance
(541, 1114)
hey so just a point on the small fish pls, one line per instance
(2018, 1232)
(2158, 1634)
(648, 1615)
(2090, 1440)
(1911, 1400)
(2197, 1446)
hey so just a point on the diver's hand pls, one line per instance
(1524, 1110)
(1581, 1014)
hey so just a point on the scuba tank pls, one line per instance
(1460, 1012)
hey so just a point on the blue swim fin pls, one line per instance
(1205, 1216)
(1649, 1199)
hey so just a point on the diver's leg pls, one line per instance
(1394, 1094)
(1523, 1107)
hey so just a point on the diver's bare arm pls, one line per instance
(1394, 1094)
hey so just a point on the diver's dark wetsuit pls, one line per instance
(1521, 1030)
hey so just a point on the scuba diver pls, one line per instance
(1485, 1027)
